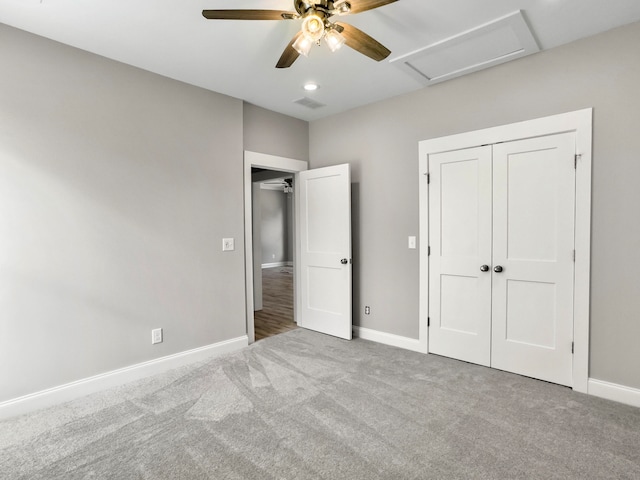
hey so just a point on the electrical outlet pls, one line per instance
(228, 245)
(367, 310)
(156, 336)
(412, 242)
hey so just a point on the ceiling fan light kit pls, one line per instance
(315, 15)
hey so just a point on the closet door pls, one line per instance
(460, 241)
(533, 263)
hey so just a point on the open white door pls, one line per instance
(324, 266)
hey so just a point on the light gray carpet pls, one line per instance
(306, 406)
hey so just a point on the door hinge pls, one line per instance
(577, 157)
(574, 255)
(428, 322)
(428, 178)
(428, 250)
(572, 347)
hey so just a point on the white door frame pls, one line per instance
(579, 122)
(270, 162)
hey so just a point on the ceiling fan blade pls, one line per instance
(363, 43)
(358, 6)
(289, 55)
(248, 14)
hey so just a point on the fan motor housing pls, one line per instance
(322, 7)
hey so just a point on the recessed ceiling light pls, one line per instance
(311, 87)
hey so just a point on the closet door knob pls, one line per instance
(484, 268)
(497, 269)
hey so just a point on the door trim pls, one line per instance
(580, 122)
(270, 162)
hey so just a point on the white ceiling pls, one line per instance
(237, 58)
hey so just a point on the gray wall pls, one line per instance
(274, 226)
(275, 134)
(382, 146)
(116, 189)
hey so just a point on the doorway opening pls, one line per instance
(273, 252)
(267, 169)
(321, 244)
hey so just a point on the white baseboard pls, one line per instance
(612, 391)
(389, 339)
(277, 264)
(86, 386)
(597, 388)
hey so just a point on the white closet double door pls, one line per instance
(501, 270)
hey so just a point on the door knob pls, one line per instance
(344, 261)
(497, 269)
(484, 268)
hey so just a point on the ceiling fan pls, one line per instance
(316, 25)
(286, 184)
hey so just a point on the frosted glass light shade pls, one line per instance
(334, 40)
(303, 45)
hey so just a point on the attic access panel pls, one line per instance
(493, 43)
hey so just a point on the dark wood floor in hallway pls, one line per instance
(276, 315)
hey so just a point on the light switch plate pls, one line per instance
(228, 245)
(412, 242)
(156, 335)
